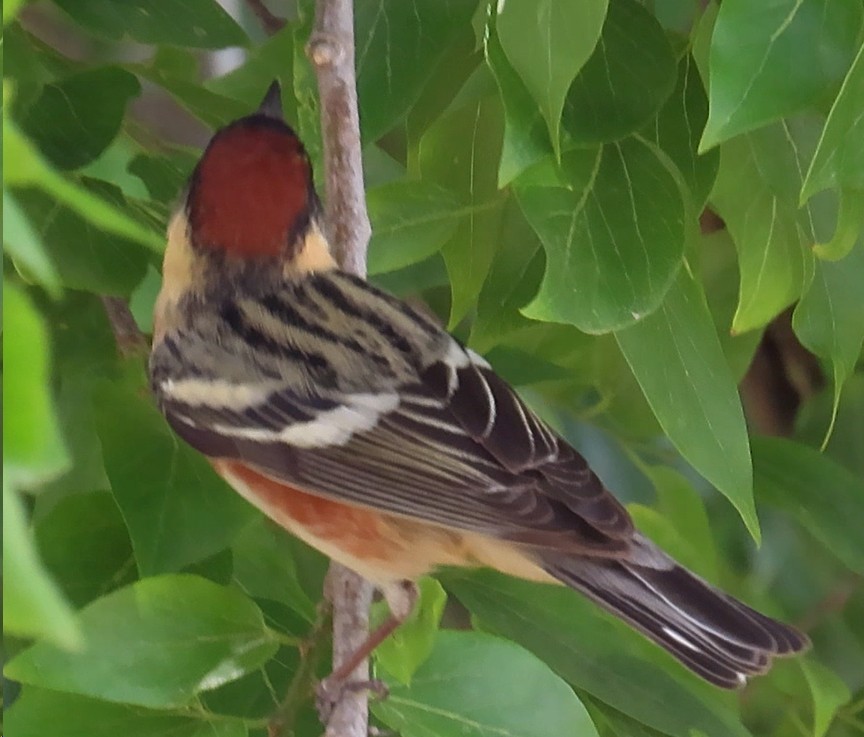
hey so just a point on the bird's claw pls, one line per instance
(330, 691)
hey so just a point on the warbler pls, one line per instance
(357, 423)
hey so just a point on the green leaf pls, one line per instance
(398, 46)
(595, 653)
(612, 224)
(475, 685)
(32, 604)
(23, 166)
(536, 33)
(787, 475)
(682, 508)
(85, 546)
(460, 152)
(177, 509)
(24, 67)
(164, 176)
(676, 357)
(756, 194)
(266, 566)
(33, 449)
(86, 352)
(10, 9)
(410, 222)
(26, 248)
(829, 319)
(829, 694)
(772, 60)
(617, 724)
(839, 157)
(85, 256)
(625, 82)
(526, 138)
(268, 61)
(76, 117)
(513, 280)
(213, 109)
(850, 224)
(677, 128)
(401, 654)
(847, 439)
(38, 713)
(214, 635)
(718, 267)
(196, 23)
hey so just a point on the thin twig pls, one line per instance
(331, 49)
(302, 687)
(270, 22)
(129, 339)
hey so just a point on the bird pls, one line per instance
(356, 422)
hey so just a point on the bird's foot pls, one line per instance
(330, 692)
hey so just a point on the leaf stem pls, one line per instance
(301, 689)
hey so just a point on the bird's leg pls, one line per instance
(401, 600)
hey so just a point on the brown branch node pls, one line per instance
(324, 50)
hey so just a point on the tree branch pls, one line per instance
(129, 339)
(331, 49)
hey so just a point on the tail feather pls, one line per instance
(721, 639)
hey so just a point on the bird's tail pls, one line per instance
(713, 634)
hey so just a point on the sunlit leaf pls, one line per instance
(23, 244)
(32, 604)
(677, 360)
(398, 46)
(829, 694)
(829, 319)
(533, 34)
(33, 448)
(612, 223)
(401, 654)
(214, 634)
(526, 137)
(476, 685)
(23, 166)
(596, 654)
(37, 713)
(410, 222)
(774, 59)
(839, 157)
(756, 194)
(461, 152)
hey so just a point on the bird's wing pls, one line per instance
(447, 442)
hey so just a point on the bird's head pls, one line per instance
(251, 195)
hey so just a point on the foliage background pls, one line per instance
(613, 201)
